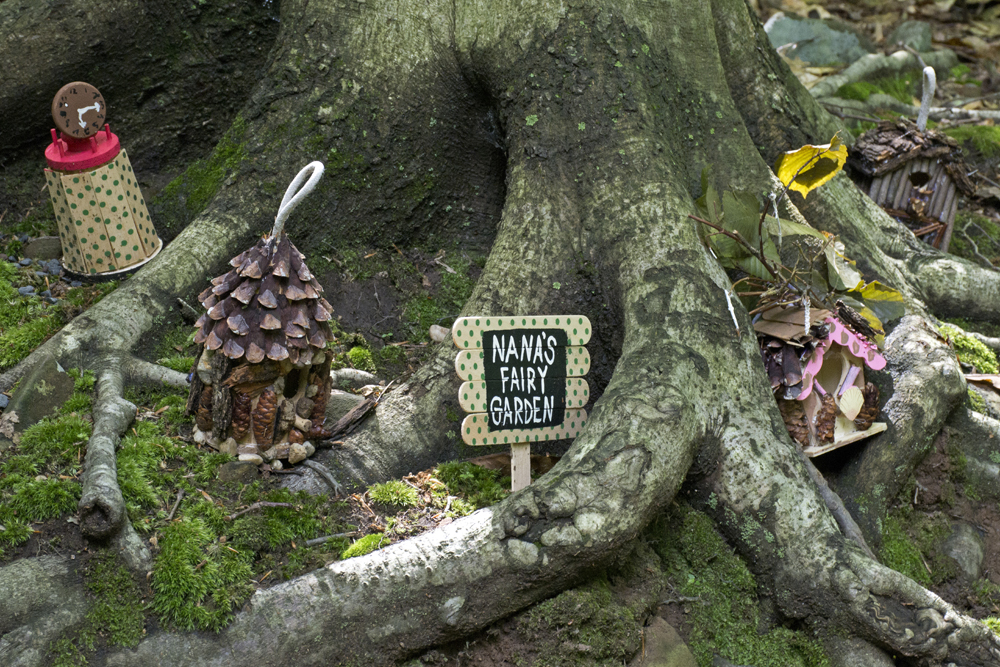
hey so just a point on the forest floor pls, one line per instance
(213, 540)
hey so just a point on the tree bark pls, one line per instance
(576, 137)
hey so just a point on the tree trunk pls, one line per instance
(576, 137)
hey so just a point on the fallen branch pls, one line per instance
(350, 421)
(257, 506)
(321, 540)
(878, 101)
(180, 495)
(139, 371)
(877, 65)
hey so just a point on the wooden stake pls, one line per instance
(520, 466)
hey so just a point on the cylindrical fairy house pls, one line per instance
(262, 377)
(103, 223)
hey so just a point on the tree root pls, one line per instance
(880, 101)
(102, 507)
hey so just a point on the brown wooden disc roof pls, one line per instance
(269, 306)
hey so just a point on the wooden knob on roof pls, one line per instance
(79, 110)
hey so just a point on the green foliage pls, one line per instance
(60, 440)
(118, 611)
(985, 139)
(725, 618)
(361, 358)
(365, 545)
(993, 623)
(65, 653)
(198, 582)
(25, 321)
(480, 486)
(177, 362)
(904, 88)
(423, 310)
(971, 351)
(395, 493)
(900, 553)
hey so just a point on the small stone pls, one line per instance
(914, 34)
(75, 283)
(51, 299)
(251, 458)
(40, 274)
(229, 447)
(25, 262)
(23, 238)
(439, 334)
(310, 448)
(40, 478)
(26, 290)
(53, 266)
(304, 407)
(3, 401)
(205, 367)
(238, 471)
(277, 452)
(312, 390)
(199, 436)
(47, 293)
(297, 453)
(43, 248)
(276, 465)
(318, 358)
(248, 449)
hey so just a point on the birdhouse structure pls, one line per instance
(916, 176)
(262, 378)
(104, 227)
(819, 375)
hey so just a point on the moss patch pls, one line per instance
(971, 351)
(25, 321)
(480, 487)
(903, 87)
(984, 139)
(725, 617)
(394, 493)
(365, 545)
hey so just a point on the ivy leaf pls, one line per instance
(885, 302)
(809, 167)
(841, 274)
(742, 215)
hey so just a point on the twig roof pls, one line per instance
(893, 143)
(269, 305)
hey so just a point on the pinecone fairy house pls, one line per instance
(262, 377)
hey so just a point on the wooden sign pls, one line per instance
(522, 382)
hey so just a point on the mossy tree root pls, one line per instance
(102, 507)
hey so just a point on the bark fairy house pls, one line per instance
(916, 176)
(262, 376)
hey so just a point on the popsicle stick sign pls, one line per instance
(522, 382)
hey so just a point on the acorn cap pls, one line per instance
(268, 306)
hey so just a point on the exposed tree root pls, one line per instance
(876, 65)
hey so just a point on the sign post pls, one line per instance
(523, 382)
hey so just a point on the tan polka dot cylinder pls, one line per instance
(103, 222)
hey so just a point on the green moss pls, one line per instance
(971, 351)
(903, 88)
(993, 623)
(61, 440)
(423, 310)
(900, 553)
(976, 402)
(65, 653)
(198, 582)
(188, 194)
(117, 613)
(177, 362)
(582, 626)
(395, 493)
(24, 325)
(365, 545)
(985, 139)
(480, 486)
(361, 358)
(726, 617)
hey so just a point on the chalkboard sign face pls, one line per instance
(525, 371)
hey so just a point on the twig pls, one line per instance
(188, 310)
(257, 506)
(180, 494)
(321, 540)
(325, 473)
(743, 242)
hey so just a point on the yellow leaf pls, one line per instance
(809, 167)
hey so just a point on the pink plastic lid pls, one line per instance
(68, 154)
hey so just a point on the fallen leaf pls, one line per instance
(809, 167)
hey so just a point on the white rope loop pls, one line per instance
(930, 83)
(293, 195)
